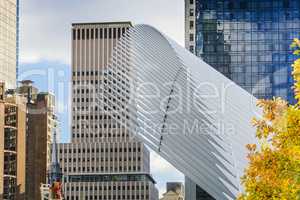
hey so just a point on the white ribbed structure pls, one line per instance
(182, 108)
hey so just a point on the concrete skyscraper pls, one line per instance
(247, 41)
(104, 160)
(8, 42)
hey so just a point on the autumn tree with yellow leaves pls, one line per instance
(274, 167)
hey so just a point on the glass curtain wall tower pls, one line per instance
(248, 41)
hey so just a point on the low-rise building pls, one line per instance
(175, 191)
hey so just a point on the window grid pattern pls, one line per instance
(8, 44)
(249, 42)
(100, 145)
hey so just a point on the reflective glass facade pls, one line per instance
(248, 41)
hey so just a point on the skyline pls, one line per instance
(132, 95)
(45, 54)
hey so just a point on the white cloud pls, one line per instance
(163, 172)
(160, 165)
(45, 25)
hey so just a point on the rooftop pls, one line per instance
(102, 23)
(26, 81)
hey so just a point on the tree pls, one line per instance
(274, 165)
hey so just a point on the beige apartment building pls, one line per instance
(104, 160)
(175, 191)
(41, 121)
(12, 145)
(8, 42)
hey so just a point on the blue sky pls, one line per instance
(45, 28)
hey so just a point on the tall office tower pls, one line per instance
(12, 145)
(248, 41)
(8, 42)
(104, 160)
(41, 122)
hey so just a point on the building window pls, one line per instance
(115, 33)
(105, 33)
(88, 34)
(191, 24)
(192, 49)
(191, 1)
(101, 33)
(119, 32)
(92, 33)
(78, 34)
(110, 34)
(243, 5)
(96, 33)
(191, 12)
(83, 36)
(191, 37)
(74, 34)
